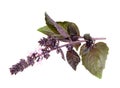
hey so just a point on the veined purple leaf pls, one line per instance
(73, 58)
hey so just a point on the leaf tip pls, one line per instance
(99, 76)
(46, 14)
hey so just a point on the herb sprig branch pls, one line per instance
(93, 54)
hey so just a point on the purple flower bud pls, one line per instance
(23, 63)
(13, 70)
(46, 55)
(30, 60)
(43, 41)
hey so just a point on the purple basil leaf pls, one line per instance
(58, 27)
(73, 31)
(94, 58)
(72, 58)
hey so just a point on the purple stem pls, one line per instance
(79, 41)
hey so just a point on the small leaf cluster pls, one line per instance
(93, 55)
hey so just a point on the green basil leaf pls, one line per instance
(94, 58)
(46, 30)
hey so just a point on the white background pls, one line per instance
(19, 21)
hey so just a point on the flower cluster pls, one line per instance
(24, 63)
(49, 45)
